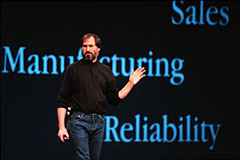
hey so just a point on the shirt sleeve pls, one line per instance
(64, 96)
(112, 91)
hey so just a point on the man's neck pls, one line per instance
(90, 61)
(95, 60)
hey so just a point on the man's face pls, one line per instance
(89, 49)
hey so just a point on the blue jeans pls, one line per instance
(86, 135)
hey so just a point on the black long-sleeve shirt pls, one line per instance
(87, 87)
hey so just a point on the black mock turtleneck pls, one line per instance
(87, 87)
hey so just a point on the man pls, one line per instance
(87, 85)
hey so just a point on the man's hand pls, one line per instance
(133, 79)
(137, 75)
(62, 132)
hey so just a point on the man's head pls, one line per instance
(91, 45)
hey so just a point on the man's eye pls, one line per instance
(88, 46)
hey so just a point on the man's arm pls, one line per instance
(61, 112)
(133, 79)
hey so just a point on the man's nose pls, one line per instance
(88, 48)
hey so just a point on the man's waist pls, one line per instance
(90, 115)
(86, 113)
(73, 109)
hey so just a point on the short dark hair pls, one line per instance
(96, 38)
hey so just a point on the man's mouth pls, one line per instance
(88, 53)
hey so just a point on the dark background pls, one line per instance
(210, 89)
